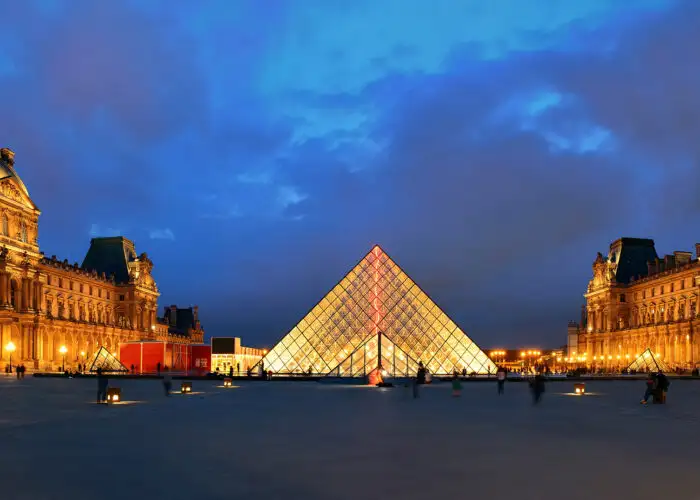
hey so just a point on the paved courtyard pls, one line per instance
(312, 441)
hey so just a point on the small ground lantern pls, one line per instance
(228, 382)
(186, 387)
(114, 394)
(580, 389)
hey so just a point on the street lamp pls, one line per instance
(63, 350)
(10, 347)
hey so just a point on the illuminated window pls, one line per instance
(23, 232)
(622, 297)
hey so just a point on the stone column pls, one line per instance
(4, 279)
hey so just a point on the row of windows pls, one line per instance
(81, 288)
(662, 289)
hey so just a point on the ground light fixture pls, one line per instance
(580, 389)
(114, 394)
(186, 387)
(228, 382)
(10, 347)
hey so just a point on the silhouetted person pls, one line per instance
(650, 388)
(158, 367)
(18, 371)
(238, 368)
(167, 382)
(230, 371)
(420, 376)
(537, 388)
(102, 382)
(661, 387)
(132, 368)
(414, 386)
(501, 380)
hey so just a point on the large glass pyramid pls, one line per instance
(376, 317)
(105, 360)
(647, 362)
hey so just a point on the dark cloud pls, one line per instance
(146, 118)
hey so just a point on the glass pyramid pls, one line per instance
(647, 362)
(105, 360)
(376, 317)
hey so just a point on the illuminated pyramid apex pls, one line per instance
(376, 316)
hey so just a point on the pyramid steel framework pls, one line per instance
(376, 316)
(647, 362)
(105, 360)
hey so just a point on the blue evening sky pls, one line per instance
(257, 149)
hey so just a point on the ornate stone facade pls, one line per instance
(46, 303)
(636, 301)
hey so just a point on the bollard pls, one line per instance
(186, 387)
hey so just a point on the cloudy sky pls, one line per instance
(257, 149)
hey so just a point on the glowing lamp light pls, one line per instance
(228, 382)
(114, 394)
(63, 349)
(609, 357)
(186, 387)
(580, 389)
(82, 353)
(10, 347)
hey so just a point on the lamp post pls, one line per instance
(63, 350)
(10, 347)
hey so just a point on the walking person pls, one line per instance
(650, 388)
(414, 386)
(456, 386)
(167, 383)
(537, 388)
(501, 380)
(102, 382)
(661, 387)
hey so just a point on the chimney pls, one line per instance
(669, 262)
(173, 316)
(195, 312)
(650, 268)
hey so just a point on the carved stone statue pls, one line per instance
(7, 155)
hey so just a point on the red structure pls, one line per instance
(146, 355)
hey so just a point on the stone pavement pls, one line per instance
(313, 441)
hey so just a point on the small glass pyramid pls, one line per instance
(376, 316)
(105, 360)
(647, 362)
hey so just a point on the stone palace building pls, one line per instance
(636, 301)
(50, 308)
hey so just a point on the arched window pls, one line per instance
(14, 295)
(5, 225)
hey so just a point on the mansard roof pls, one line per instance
(110, 256)
(634, 253)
